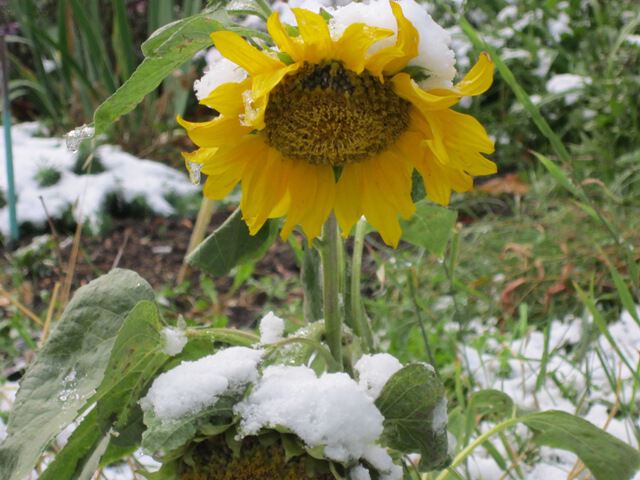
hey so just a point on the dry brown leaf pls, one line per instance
(509, 184)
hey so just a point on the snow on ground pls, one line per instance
(514, 367)
(125, 175)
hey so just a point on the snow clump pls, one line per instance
(568, 84)
(219, 70)
(375, 370)
(330, 411)
(434, 52)
(193, 386)
(271, 328)
(174, 340)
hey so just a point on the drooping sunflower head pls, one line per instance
(336, 115)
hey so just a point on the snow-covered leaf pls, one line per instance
(603, 454)
(430, 227)
(414, 409)
(231, 244)
(167, 435)
(69, 367)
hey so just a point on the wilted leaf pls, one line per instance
(69, 367)
(506, 184)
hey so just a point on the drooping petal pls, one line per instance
(227, 98)
(281, 38)
(214, 133)
(355, 42)
(462, 131)
(263, 186)
(387, 194)
(459, 180)
(235, 48)
(348, 206)
(424, 101)
(435, 178)
(315, 34)
(478, 79)
(312, 194)
(264, 83)
(395, 57)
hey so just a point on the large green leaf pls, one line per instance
(169, 48)
(135, 358)
(69, 367)
(412, 403)
(603, 454)
(430, 227)
(231, 244)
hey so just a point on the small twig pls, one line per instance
(20, 306)
(125, 240)
(50, 310)
(71, 265)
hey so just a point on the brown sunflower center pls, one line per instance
(326, 114)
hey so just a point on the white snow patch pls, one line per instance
(193, 386)
(359, 473)
(3, 431)
(568, 84)
(128, 176)
(219, 70)
(330, 410)
(633, 40)
(174, 340)
(271, 328)
(439, 421)
(434, 52)
(375, 370)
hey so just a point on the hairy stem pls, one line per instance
(331, 285)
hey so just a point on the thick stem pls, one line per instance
(331, 286)
(357, 313)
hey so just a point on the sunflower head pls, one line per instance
(329, 119)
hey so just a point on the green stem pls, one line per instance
(330, 290)
(317, 346)
(357, 313)
(224, 335)
(476, 443)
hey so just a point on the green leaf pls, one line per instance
(82, 442)
(167, 435)
(491, 403)
(430, 227)
(559, 176)
(168, 49)
(231, 244)
(603, 454)
(412, 401)
(136, 357)
(69, 367)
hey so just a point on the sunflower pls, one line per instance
(323, 124)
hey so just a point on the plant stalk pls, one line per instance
(331, 285)
(357, 312)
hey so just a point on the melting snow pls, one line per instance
(375, 370)
(330, 410)
(219, 70)
(174, 340)
(193, 386)
(271, 329)
(568, 84)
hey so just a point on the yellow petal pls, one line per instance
(463, 131)
(478, 79)
(348, 206)
(424, 101)
(355, 42)
(435, 178)
(214, 133)
(227, 98)
(264, 83)
(315, 33)
(235, 48)
(312, 193)
(263, 186)
(282, 39)
(460, 181)
(395, 57)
